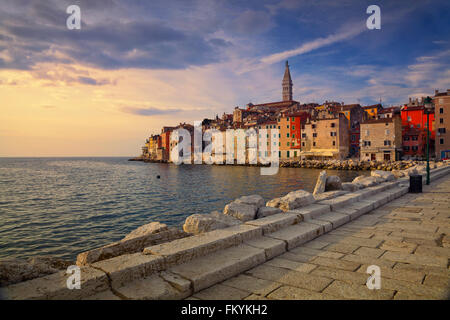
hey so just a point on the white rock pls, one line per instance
(146, 229)
(366, 181)
(385, 175)
(253, 199)
(333, 183)
(321, 182)
(199, 223)
(292, 200)
(241, 211)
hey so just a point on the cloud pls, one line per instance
(104, 42)
(150, 111)
(312, 45)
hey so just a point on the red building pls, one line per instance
(415, 117)
(414, 142)
(414, 130)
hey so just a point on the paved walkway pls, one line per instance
(408, 238)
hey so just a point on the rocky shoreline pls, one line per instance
(237, 212)
(348, 164)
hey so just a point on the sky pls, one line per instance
(137, 65)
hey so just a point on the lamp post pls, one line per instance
(428, 106)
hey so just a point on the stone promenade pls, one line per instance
(408, 238)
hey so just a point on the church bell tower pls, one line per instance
(287, 84)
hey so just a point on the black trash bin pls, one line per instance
(415, 183)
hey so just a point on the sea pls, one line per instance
(63, 206)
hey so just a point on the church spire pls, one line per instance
(287, 84)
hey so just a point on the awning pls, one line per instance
(320, 153)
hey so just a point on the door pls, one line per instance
(373, 157)
(387, 157)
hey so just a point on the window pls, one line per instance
(333, 125)
(414, 138)
(367, 132)
(279, 154)
(386, 132)
(441, 110)
(279, 127)
(406, 138)
(313, 126)
(287, 135)
(314, 135)
(366, 143)
(295, 154)
(418, 126)
(409, 118)
(441, 130)
(303, 135)
(292, 144)
(387, 142)
(293, 127)
(287, 126)
(406, 148)
(334, 143)
(314, 144)
(386, 124)
(287, 144)
(303, 127)
(267, 135)
(415, 148)
(293, 135)
(441, 141)
(353, 137)
(279, 135)
(303, 144)
(287, 119)
(441, 120)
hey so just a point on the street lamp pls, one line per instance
(428, 108)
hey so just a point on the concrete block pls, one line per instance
(54, 286)
(186, 249)
(155, 287)
(311, 211)
(275, 222)
(341, 201)
(130, 267)
(298, 234)
(335, 218)
(219, 266)
(272, 247)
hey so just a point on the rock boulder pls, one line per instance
(253, 199)
(333, 183)
(200, 223)
(321, 182)
(292, 200)
(241, 211)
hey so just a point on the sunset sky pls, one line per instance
(138, 65)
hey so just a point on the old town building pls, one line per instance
(381, 139)
(325, 138)
(442, 113)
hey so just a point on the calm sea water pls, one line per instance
(63, 206)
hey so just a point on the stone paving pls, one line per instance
(408, 238)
